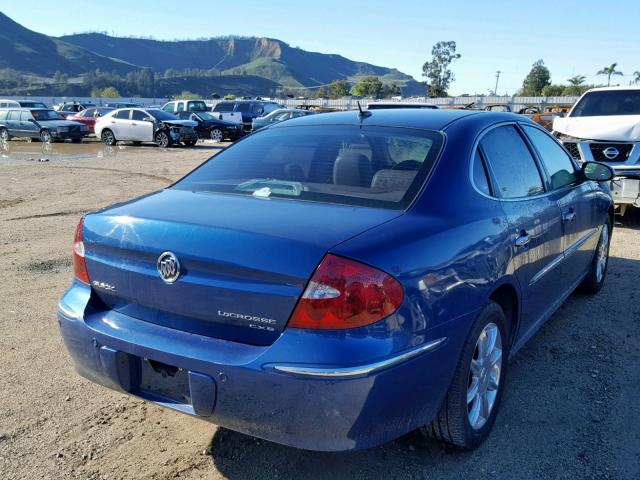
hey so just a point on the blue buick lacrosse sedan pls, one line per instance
(336, 281)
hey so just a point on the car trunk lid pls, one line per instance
(244, 261)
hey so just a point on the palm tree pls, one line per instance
(577, 80)
(609, 71)
(636, 77)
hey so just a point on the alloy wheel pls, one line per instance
(484, 376)
(108, 138)
(162, 139)
(45, 136)
(216, 135)
(603, 253)
(4, 134)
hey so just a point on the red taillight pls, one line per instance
(343, 293)
(79, 265)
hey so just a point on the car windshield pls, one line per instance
(206, 116)
(43, 115)
(197, 106)
(608, 102)
(371, 166)
(161, 115)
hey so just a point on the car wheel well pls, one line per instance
(507, 297)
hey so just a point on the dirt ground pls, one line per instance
(570, 409)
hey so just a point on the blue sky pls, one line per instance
(572, 37)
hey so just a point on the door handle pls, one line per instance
(133, 123)
(112, 121)
(522, 240)
(569, 216)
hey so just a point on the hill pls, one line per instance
(265, 57)
(265, 64)
(31, 52)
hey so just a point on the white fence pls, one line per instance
(348, 103)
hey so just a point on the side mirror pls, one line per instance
(96, 114)
(596, 171)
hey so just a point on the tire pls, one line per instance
(190, 143)
(216, 135)
(457, 423)
(594, 280)
(4, 135)
(45, 136)
(162, 139)
(107, 137)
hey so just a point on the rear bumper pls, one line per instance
(280, 392)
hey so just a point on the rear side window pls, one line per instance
(223, 107)
(25, 116)
(371, 166)
(480, 179)
(122, 114)
(555, 159)
(511, 163)
(244, 107)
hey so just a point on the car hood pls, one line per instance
(59, 123)
(182, 123)
(220, 123)
(617, 128)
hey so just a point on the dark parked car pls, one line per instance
(88, 116)
(279, 115)
(211, 127)
(69, 108)
(45, 125)
(114, 105)
(8, 104)
(335, 281)
(249, 109)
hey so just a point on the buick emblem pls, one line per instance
(611, 152)
(168, 267)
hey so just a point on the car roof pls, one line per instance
(428, 119)
(607, 89)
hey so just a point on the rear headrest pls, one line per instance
(351, 168)
(393, 180)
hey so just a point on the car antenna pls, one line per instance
(362, 113)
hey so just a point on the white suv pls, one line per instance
(604, 126)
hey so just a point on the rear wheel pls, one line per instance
(216, 135)
(4, 135)
(162, 139)
(45, 136)
(108, 138)
(471, 404)
(594, 280)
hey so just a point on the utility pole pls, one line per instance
(495, 90)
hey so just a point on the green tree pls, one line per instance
(576, 80)
(609, 72)
(636, 77)
(106, 92)
(552, 90)
(229, 96)
(368, 87)
(439, 76)
(538, 78)
(339, 88)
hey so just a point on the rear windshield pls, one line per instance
(197, 106)
(611, 102)
(371, 166)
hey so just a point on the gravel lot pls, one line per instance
(570, 409)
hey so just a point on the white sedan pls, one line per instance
(145, 125)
